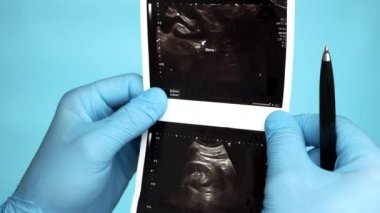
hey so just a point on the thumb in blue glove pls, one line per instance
(296, 183)
(90, 151)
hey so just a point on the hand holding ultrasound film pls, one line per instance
(89, 153)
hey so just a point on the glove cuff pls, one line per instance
(16, 204)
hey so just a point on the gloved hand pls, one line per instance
(296, 183)
(89, 153)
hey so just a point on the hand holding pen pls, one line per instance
(296, 182)
(340, 174)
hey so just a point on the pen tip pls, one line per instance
(326, 54)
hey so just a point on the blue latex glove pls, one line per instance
(89, 153)
(295, 182)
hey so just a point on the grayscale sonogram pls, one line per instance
(192, 168)
(219, 51)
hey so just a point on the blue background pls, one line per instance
(48, 47)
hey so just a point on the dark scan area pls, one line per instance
(207, 177)
(230, 53)
(200, 169)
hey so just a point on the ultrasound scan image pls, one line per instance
(219, 51)
(190, 168)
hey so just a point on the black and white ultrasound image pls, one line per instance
(191, 168)
(219, 51)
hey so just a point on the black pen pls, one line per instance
(327, 113)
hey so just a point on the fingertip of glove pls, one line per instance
(153, 102)
(274, 120)
(279, 122)
(157, 96)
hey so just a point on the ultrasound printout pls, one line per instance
(190, 168)
(225, 65)
(219, 51)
